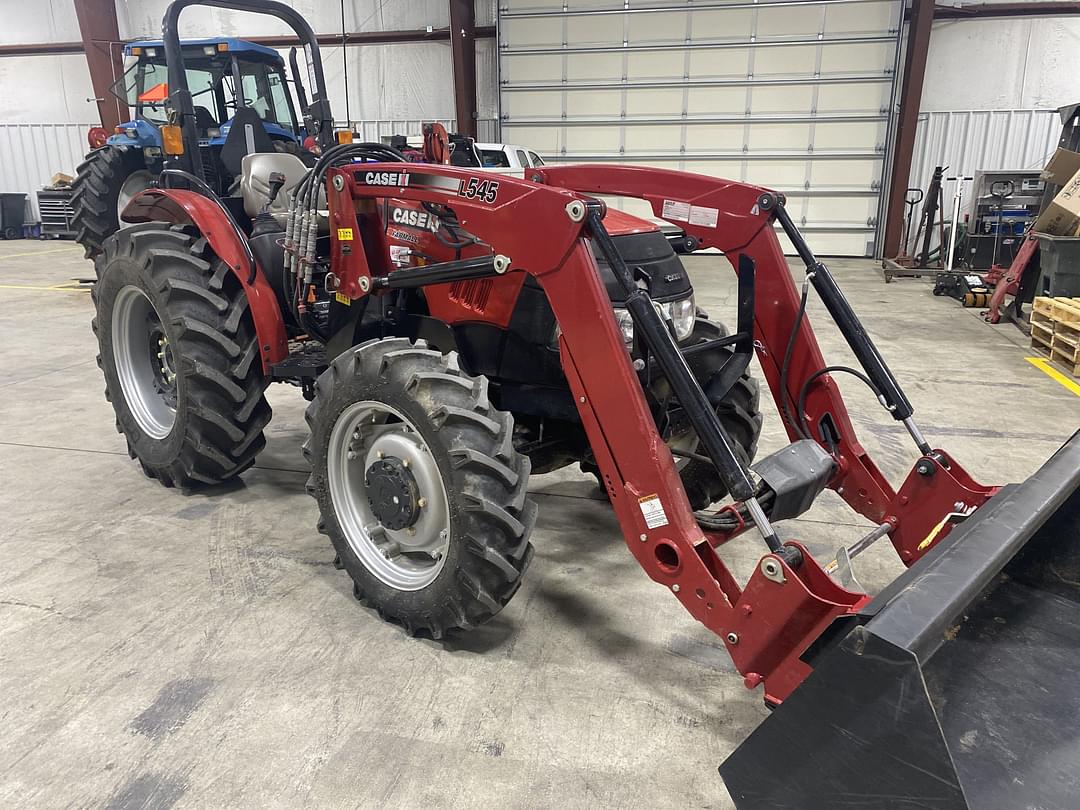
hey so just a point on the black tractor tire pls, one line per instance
(484, 478)
(740, 415)
(95, 192)
(201, 311)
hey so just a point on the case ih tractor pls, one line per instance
(456, 330)
(232, 82)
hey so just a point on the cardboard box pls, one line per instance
(1061, 217)
(61, 179)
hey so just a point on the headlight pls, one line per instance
(682, 316)
(626, 326)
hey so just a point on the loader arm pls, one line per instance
(737, 219)
(789, 601)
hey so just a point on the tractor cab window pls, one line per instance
(264, 90)
(211, 75)
(145, 87)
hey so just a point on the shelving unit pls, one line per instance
(1018, 212)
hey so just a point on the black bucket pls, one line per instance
(957, 688)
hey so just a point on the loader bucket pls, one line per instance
(957, 687)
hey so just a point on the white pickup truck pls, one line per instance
(511, 157)
(507, 156)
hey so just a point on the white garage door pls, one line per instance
(791, 94)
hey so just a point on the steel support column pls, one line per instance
(918, 45)
(463, 54)
(101, 43)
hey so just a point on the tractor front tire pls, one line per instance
(179, 354)
(419, 487)
(739, 413)
(96, 193)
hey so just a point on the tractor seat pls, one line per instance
(204, 120)
(247, 136)
(255, 180)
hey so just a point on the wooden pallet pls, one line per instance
(1065, 310)
(1065, 346)
(1042, 335)
(1055, 331)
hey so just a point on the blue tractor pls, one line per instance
(229, 79)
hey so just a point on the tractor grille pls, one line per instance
(210, 168)
(472, 293)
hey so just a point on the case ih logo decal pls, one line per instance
(412, 218)
(476, 189)
(386, 178)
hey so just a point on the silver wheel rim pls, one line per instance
(405, 559)
(135, 182)
(144, 362)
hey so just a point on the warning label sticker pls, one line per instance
(700, 215)
(653, 511)
(673, 209)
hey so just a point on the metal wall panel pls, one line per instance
(374, 130)
(30, 154)
(969, 140)
(790, 94)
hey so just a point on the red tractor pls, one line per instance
(456, 330)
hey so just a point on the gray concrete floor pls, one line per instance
(162, 649)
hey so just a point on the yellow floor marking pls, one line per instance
(71, 249)
(1044, 366)
(42, 289)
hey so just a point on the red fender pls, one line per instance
(179, 206)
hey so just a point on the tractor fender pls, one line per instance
(179, 206)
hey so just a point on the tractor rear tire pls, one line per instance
(179, 354)
(405, 417)
(96, 191)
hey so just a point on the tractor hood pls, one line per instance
(649, 256)
(619, 222)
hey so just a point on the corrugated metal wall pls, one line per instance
(30, 154)
(969, 140)
(376, 129)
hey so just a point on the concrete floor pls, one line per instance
(161, 649)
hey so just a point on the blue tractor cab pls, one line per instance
(200, 106)
(224, 75)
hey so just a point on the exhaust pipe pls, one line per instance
(957, 687)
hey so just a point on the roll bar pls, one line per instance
(317, 116)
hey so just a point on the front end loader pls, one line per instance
(952, 688)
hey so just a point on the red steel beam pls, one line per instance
(374, 37)
(40, 48)
(991, 10)
(354, 38)
(918, 45)
(101, 44)
(463, 55)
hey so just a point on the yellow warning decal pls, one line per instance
(344, 234)
(341, 298)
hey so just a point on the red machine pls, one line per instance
(904, 699)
